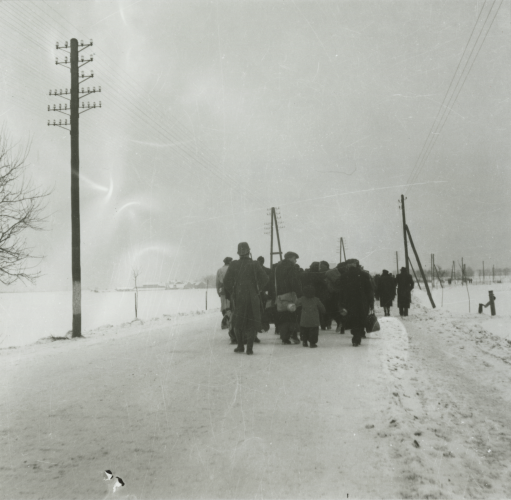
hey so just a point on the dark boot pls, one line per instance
(250, 351)
(239, 349)
(304, 343)
(286, 341)
(313, 345)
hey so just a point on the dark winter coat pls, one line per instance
(386, 289)
(356, 296)
(243, 280)
(310, 309)
(288, 279)
(404, 289)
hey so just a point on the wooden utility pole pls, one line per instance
(342, 250)
(397, 264)
(407, 260)
(74, 63)
(274, 225)
(75, 194)
(420, 267)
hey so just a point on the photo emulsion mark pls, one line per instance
(272, 262)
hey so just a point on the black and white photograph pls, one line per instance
(255, 249)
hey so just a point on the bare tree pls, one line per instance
(135, 273)
(21, 207)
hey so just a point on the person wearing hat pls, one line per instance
(225, 307)
(386, 289)
(404, 291)
(243, 283)
(285, 280)
(356, 299)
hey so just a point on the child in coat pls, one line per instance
(311, 306)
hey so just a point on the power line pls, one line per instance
(447, 113)
(437, 127)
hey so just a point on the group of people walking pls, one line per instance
(300, 302)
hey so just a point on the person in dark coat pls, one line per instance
(356, 299)
(264, 295)
(404, 291)
(386, 289)
(243, 282)
(286, 279)
(310, 307)
(316, 277)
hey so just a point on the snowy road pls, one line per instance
(175, 413)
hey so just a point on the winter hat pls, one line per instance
(290, 255)
(385, 272)
(352, 262)
(403, 269)
(260, 260)
(243, 249)
(227, 260)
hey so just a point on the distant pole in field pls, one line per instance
(207, 286)
(493, 274)
(397, 264)
(73, 111)
(407, 260)
(492, 303)
(420, 267)
(483, 271)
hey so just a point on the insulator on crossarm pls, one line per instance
(92, 58)
(88, 89)
(66, 45)
(67, 92)
(88, 104)
(54, 107)
(93, 89)
(54, 123)
(91, 41)
(99, 103)
(92, 73)
(82, 59)
(60, 122)
(60, 106)
(60, 92)
(99, 89)
(94, 105)
(55, 92)
(56, 60)
(48, 107)
(83, 74)
(57, 45)
(65, 60)
(65, 123)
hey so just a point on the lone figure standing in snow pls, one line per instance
(243, 282)
(404, 291)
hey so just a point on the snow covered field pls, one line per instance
(456, 300)
(27, 317)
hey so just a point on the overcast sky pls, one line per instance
(215, 111)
